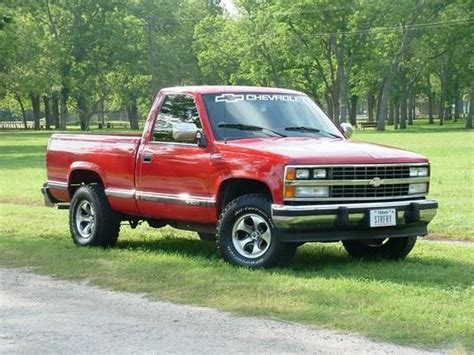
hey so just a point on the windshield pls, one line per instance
(251, 115)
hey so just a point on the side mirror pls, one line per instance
(347, 129)
(201, 139)
(185, 132)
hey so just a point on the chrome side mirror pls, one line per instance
(185, 132)
(347, 129)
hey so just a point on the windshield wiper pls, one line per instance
(310, 129)
(245, 127)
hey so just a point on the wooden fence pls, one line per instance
(16, 125)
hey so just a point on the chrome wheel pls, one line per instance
(251, 235)
(85, 219)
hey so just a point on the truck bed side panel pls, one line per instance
(112, 157)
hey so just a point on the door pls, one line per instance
(173, 176)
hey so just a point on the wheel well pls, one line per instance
(79, 177)
(233, 188)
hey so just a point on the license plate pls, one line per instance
(383, 218)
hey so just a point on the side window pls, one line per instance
(175, 109)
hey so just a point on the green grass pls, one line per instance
(426, 300)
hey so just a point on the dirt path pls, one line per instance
(39, 314)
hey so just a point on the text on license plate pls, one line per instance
(383, 218)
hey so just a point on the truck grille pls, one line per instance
(356, 182)
(389, 190)
(369, 172)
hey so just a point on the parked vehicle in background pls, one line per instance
(261, 170)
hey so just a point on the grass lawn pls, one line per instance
(426, 300)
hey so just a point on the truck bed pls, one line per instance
(112, 156)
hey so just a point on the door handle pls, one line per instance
(147, 158)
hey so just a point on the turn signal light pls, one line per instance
(290, 174)
(289, 191)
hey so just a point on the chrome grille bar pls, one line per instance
(365, 182)
(369, 172)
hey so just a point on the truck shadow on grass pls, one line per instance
(331, 261)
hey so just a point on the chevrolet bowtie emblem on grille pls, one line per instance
(229, 98)
(375, 182)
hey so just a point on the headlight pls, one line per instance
(302, 174)
(419, 171)
(312, 191)
(305, 174)
(319, 173)
(418, 188)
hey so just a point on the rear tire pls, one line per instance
(91, 220)
(246, 234)
(388, 248)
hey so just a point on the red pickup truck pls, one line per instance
(261, 170)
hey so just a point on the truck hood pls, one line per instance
(299, 150)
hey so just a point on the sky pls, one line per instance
(229, 6)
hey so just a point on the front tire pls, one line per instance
(91, 220)
(388, 248)
(246, 234)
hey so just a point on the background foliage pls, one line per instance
(388, 60)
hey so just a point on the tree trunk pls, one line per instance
(47, 112)
(457, 103)
(102, 114)
(442, 97)
(471, 107)
(63, 111)
(430, 102)
(382, 100)
(336, 112)
(353, 111)
(396, 116)
(394, 67)
(370, 107)
(448, 113)
(342, 84)
(35, 105)
(132, 113)
(330, 106)
(411, 108)
(403, 109)
(391, 113)
(22, 107)
(335, 103)
(83, 112)
(55, 110)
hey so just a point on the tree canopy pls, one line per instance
(388, 60)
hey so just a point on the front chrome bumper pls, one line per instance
(341, 221)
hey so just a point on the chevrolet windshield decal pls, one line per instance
(231, 98)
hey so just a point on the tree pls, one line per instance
(471, 107)
(86, 56)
